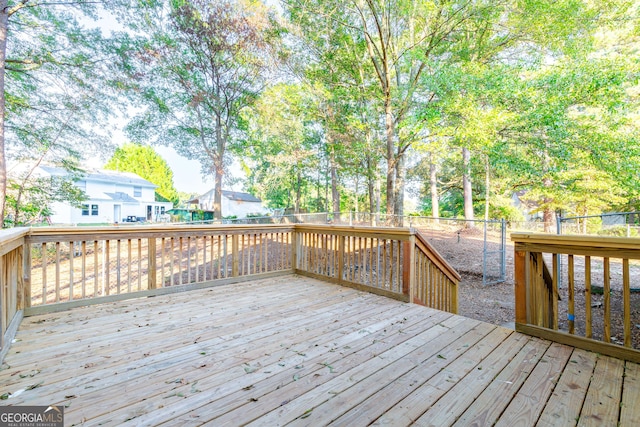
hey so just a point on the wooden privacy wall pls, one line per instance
(578, 290)
(71, 265)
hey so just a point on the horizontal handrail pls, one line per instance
(576, 314)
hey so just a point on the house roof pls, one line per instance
(122, 197)
(231, 195)
(240, 197)
(104, 176)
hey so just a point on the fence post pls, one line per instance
(151, 271)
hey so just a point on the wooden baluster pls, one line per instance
(235, 270)
(26, 276)
(57, 271)
(152, 278)
(118, 247)
(71, 257)
(162, 259)
(44, 272)
(571, 301)
(607, 300)
(171, 260)
(140, 263)
(587, 297)
(129, 261)
(384, 264)
(84, 269)
(554, 292)
(626, 301)
(106, 271)
(189, 259)
(96, 268)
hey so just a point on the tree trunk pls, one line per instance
(371, 186)
(391, 160)
(399, 189)
(466, 186)
(433, 186)
(4, 22)
(335, 194)
(298, 192)
(217, 196)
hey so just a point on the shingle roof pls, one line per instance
(240, 197)
(231, 195)
(122, 197)
(105, 176)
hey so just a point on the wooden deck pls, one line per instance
(294, 350)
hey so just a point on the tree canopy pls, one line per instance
(144, 161)
(345, 105)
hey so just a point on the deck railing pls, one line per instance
(579, 290)
(53, 269)
(393, 262)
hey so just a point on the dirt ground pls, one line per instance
(494, 303)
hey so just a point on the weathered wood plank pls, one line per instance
(602, 403)
(630, 407)
(529, 402)
(443, 369)
(422, 397)
(489, 404)
(566, 401)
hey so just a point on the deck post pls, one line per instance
(408, 261)
(520, 279)
(152, 273)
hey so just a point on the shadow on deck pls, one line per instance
(295, 350)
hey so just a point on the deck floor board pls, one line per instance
(298, 351)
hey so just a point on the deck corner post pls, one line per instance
(520, 287)
(408, 261)
(152, 273)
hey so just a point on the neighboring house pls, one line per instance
(234, 203)
(113, 196)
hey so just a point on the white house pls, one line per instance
(113, 196)
(234, 203)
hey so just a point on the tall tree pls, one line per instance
(55, 92)
(201, 64)
(144, 161)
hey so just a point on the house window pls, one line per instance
(85, 210)
(137, 191)
(162, 210)
(94, 210)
